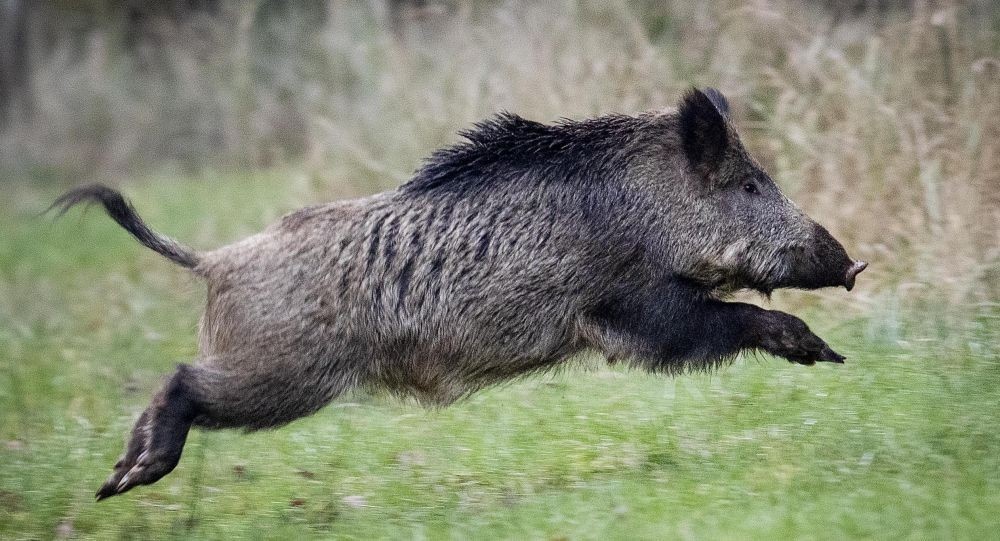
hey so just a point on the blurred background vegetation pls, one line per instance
(881, 118)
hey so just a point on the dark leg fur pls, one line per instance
(737, 326)
(209, 396)
(676, 325)
(787, 336)
(157, 438)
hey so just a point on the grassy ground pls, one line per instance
(900, 442)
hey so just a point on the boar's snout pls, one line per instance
(824, 263)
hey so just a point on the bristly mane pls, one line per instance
(508, 148)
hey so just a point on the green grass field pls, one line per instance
(902, 441)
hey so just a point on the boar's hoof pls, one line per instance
(156, 443)
(788, 336)
(830, 356)
(147, 469)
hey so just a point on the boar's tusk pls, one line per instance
(852, 272)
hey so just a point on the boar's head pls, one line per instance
(728, 225)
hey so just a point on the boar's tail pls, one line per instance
(122, 212)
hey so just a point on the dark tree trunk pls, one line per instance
(14, 57)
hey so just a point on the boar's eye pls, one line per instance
(750, 187)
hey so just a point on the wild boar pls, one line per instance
(507, 253)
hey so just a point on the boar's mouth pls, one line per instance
(820, 262)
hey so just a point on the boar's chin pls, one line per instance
(728, 288)
(763, 287)
(722, 282)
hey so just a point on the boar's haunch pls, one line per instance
(505, 254)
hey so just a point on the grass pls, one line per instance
(900, 442)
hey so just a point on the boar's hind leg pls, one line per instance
(157, 438)
(216, 394)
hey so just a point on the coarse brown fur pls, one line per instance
(506, 254)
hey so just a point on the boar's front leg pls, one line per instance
(729, 327)
(676, 325)
(786, 336)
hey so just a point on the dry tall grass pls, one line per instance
(886, 126)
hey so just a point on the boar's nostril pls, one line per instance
(852, 272)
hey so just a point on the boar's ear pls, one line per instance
(718, 100)
(704, 131)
